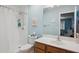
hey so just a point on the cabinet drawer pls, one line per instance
(52, 49)
(70, 51)
(40, 45)
(37, 50)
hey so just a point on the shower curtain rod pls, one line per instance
(8, 8)
(12, 9)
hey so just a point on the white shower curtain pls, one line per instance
(9, 36)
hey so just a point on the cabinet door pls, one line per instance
(37, 50)
(52, 49)
(40, 45)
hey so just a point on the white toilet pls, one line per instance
(28, 48)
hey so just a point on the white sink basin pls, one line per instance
(56, 42)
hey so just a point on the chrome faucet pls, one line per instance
(58, 38)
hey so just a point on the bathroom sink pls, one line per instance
(52, 40)
(56, 42)
(48, 39)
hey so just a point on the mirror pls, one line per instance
(50, 20)
(67, 24)
(59, 20)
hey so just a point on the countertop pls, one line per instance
(64, 44)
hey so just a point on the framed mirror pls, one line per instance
(59, 20)
(77, 21)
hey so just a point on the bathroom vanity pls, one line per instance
(45, 48)
(51, 46)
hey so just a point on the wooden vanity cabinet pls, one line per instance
(39, 47)
(37, 50)
(44, 48)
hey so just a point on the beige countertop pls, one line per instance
(64, 44)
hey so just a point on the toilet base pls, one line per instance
(28, 48)
(31, 50)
